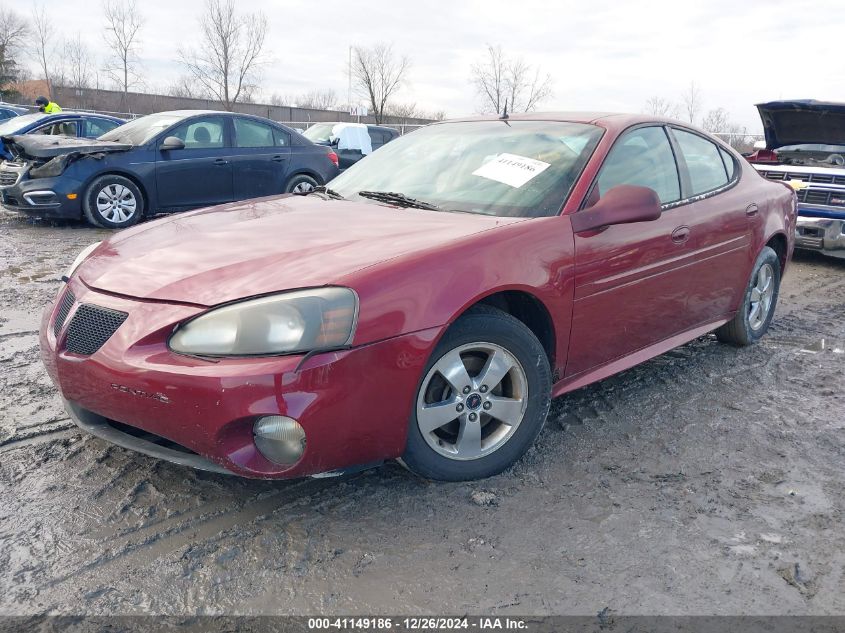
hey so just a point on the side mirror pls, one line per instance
(172, 142)
(622, 204)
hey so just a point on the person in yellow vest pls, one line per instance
(46, 106)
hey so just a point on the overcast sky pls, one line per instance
(602, 54)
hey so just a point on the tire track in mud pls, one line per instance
(140, 547)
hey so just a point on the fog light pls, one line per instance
(279, 439)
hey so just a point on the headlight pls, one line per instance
(81, 258)
(300, 321)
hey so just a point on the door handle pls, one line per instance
(681, 234)
(751, 210)
(278, 159)
(221, 161)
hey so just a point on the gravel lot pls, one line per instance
(708, 480)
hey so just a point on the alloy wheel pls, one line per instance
(472, 401)
(116, 203)
(761, 297)
(303, 187)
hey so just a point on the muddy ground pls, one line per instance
(709, 480)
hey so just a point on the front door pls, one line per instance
(261, 159)
(200, 174)
(631, 280)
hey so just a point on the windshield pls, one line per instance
(515, 168)
(143, 130)
(13, 125)
(319, 133)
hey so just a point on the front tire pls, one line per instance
(482, 401)
(113, 202)
(758, 303)
(301, 184)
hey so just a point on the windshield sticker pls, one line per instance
(511, 169)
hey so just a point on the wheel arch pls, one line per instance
(779, 244)
(129, 176)
(525, 307)
(304, 171)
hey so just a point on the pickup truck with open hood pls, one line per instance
(805, 147)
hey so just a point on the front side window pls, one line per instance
(502, 168)
(98, 127)
(642, 157)
(704, 162)
(201, 133)
(250, 133)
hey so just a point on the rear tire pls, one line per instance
(113, 202)
(301, 184)
(482, 401)
(758, 304)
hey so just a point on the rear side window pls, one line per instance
(730, 165)
(252, 134)
(281, 137)
(377, 138)
(642, 157)
(704, 162)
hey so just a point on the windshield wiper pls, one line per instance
(399, 198)
(330, 193)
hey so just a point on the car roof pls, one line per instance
(610, 120)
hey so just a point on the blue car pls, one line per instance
(160, 163)
(8, 111)
(77, 124)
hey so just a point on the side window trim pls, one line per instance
(732, 180)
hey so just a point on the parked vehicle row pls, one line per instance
(161, 163)
(425, 306)
(350, 147)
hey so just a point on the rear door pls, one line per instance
(200, 174)
(722, 220)
(260, 159)
(631, 280)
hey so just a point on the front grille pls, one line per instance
(822, 179)
(64, 309)
(8, 178)
(90, 327)
(827, 198)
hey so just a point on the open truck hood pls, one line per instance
(46, 147)
(803, 121)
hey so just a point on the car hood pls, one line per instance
(47, 146)
(802, 122)
(225, 253)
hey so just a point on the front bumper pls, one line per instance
(826, 235)
(44, 197)
(354, 405)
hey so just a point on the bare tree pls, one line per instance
(692, 101)
(230, 53)
(317, 99)
(77, 71)
(13, 33)
(123, 28)
(719, 122)
(501, 80)
(378, 73)
(186, 87)
(44, 47)
(716, 120)
(658, 106)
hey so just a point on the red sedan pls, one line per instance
(427, 306)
